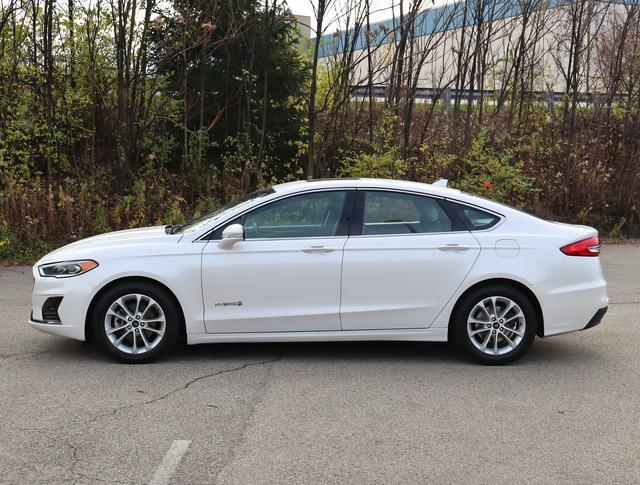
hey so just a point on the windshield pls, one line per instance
(211, 216)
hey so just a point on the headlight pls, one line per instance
(66, 269)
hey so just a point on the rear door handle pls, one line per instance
(454, 247)
(318, 249)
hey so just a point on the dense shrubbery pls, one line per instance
(114, 115)
(104, 127)
(523, 169)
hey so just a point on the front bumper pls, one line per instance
(77, 295)
(70, 331)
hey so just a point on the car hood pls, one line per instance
(85, 247)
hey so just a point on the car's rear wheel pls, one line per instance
(495, 325)
(136, 322)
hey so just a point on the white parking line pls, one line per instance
(170, 462)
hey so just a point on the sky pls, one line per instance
(303, 7)
(380, 9)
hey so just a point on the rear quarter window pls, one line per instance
(474, 218)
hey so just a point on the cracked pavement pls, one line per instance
(569, 412)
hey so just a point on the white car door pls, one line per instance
(285, 275)
(405, 258)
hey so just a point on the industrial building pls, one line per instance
(558, 42)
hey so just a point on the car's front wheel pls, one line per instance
(136, 322)
(495, 325)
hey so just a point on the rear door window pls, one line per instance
(402, 213)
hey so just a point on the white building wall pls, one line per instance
(548, 38)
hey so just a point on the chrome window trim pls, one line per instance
(338, 238)
(413, 234)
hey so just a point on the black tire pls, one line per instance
(463, 312)
(170, 311)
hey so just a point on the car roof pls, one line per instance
(302, 185)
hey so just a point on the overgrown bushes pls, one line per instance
(534, 167)
(523, 168)
(105, 128)
(35, 219)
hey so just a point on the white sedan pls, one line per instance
(329, 260)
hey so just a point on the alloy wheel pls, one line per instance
(135, 323)
(496, 325)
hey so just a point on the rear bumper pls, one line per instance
(569, 311)
(570, 305)
(597, 318)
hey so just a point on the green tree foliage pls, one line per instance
(238, 75)
(123, 113)
(140, 112)
(498, 174)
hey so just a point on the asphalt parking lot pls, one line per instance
(569, 412)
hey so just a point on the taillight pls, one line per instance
(586, 247)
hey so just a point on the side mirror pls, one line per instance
(231, 235)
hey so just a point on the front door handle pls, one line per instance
(318, 249)
(454, 247)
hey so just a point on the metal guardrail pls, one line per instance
(446, 96)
